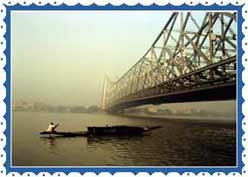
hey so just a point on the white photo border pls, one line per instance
(6, 6)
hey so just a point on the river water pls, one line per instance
(177, 143)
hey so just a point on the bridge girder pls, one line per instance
(200, 55)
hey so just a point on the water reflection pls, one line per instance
(112, 139)
(50, 142)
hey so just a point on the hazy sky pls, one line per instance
(60, 57)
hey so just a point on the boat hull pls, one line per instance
(65, 134)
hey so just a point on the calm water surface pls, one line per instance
(178, 143)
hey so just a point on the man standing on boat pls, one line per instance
(51, 127)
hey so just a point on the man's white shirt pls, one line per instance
(50, 128)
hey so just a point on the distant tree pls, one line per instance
(51, 108)
(93, 108)
(78, 109)
(61, 109)
(39, 106)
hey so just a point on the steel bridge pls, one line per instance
(192, 59)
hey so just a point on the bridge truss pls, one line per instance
(192, 59)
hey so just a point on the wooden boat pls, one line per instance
(65, 134)
(101, 131)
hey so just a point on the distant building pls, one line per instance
(22, 106)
